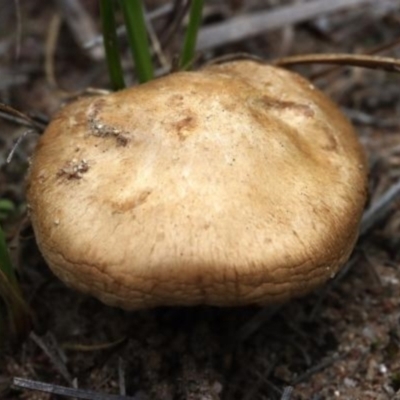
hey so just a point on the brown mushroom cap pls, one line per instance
(237, 184)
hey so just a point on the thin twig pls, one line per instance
(53, 352)
(255, 322)
(21, 383)
(235, 57)
(353, 60)
(121, 376)
(317, 368)
(81, 25)
(287, 393)
(179, 11)
(245, 26)
(16, 145)
(19, 29)
(336, 68)
(155, 43)
(12, 114)
(50, 49)
(380, 208)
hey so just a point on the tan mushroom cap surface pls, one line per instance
(237, 184)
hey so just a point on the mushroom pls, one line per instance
(237, 184)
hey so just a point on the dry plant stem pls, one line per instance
(13, 114)
(376, 50)
(21, 383)
(82, 26)
(156, 45)
(178, 13)
(255, 322)
(261, 380)
(16, 120)
(319, 367)
(121, 376)
(16, 145)
(234, 57)
(264, 379)
(354, 60)
(50, 49)
(287, 393)
(50, 347)
(245, 26)
(380, 208)
(19, 29)
(94, 347)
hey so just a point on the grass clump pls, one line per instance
(135, 24)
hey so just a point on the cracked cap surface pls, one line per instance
(237, 184)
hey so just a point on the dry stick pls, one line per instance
(380, 208)
(376, 50)
(242, 55)
(12, 114)
(16, 145)
(319, 367)
(245, 26)
(19, 29)
(54, 354)
(264, 379)
(287, 393)
(255, 322)
(354, 60)
(155, 42)
(121, 376)
(9, 113)
(93, 347)
(50, 49)
(81, 25)
(21, 383)
(351, 60)
(17, 120)
(178, 13)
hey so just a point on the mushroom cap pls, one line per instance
(237, 184)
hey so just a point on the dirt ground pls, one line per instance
(342, 342)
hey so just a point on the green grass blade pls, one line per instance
(7, 205)
(111, 44)
(189, 45)
(138, 40)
